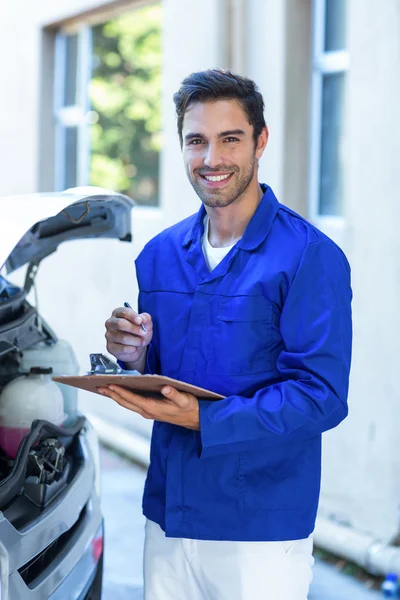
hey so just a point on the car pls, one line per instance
(51, 526)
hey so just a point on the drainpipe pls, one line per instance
(376, 557)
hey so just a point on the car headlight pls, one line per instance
(94, 448)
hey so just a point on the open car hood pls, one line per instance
(33, 225)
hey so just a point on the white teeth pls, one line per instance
(216, 177)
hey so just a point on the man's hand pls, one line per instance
(178, 408)
(126, 339)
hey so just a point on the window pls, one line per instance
(330, 63)
(108, 104)
(72, 76)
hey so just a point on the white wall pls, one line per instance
(265, 64)
(362, 482)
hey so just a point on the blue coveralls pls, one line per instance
(270, 329)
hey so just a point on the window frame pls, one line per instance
(79, 115)
(323, 63)
(75, 115)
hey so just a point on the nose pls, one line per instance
(213, 156)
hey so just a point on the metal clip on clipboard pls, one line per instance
(102, 365)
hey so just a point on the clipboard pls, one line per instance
(141, 384)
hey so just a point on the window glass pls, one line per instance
(335, 25)
(330, 192)
(71, 154)
(71, 63)
(126, 104)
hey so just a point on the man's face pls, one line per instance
(219, 151)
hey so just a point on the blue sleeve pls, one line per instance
(314, 366)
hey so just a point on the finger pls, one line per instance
(130, 315)
(123, 325)
(131, 397)
(104, 391)
(122, 352)
(151, 408)
(146, 320)
(124, 339)
(125, 313)
(179, 398)
(143, 320)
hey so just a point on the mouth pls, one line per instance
(216, 181)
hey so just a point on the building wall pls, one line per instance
(277, 57)
(360, 483)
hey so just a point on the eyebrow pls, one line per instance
(231, 132)
(222, 134)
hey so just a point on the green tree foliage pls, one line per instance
(126, 103)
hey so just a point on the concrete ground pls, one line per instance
(122, 485)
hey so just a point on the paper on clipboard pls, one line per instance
(141, 384)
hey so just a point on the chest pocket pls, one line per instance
(242, 337)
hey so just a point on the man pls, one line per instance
(247, 299)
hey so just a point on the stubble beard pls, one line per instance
(221, 198)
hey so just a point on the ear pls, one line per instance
(262, 142)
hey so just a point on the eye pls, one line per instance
(231, 139)
(196, 142)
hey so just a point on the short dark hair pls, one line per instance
(220, 84)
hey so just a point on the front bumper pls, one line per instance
(79, 583)
(62, 538)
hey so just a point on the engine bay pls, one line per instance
(45, 452)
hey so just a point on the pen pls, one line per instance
(127, 305)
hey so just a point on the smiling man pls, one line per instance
(248, 299)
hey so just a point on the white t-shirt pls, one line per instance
(212, 255)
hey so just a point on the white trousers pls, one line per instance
(184, 569)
